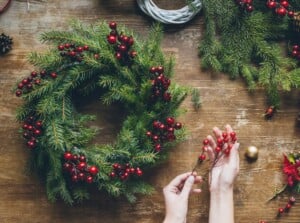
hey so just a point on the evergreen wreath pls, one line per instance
(132, 73)
(246, 38)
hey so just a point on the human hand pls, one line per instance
(176, 195)
(226, 167)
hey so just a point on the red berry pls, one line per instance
(93, 170)
(281, 11)
(118, 55)
(31, 144)
(249, 8)
(81, 165)
(67, 45)
(72, 53)
(25, 126)
(67, 166)
(218, 149)
(37, 81)
(68, 156)
(133, 54)
(271, 4)
(89, 179)
(75, 178)
(43, 73)
(29, 86)
(295, 53)
(122, 48)
(248, 1)
(220, 142)
(53, 75)
(37, 132)
(20, 85)
(292, 200)
(79, 49)
(139, 172)
(132, 170)
(25, 81)
(113, 25)
(148, 133)
(178, 125)
(85, 47)
(288, 206)
(202, 157)
(82, 158)
(34, 73)
(130, 41)
(81, 176)
(61, 47)
(227, 151)
(112, 39)
(160, 69)
(96, 56)
(171, 136)
(167, 96)
(152, 70)
(280, 210)
(115, 166)
(157, 147)
(284, 3)
(162, 126)
(75, 157)
(170, 121)
(112, 174)
(232, 134)
(170, 129)
(156, 124)
(39, 124)
(205, 142)
(30, 127)
(291, 14)
(18, 93)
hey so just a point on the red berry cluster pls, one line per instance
(73, 52)
(163, 132)
(270, 111)
(281, 7)
(160, 84)
(224, 146)
(76, 166)
(122, 44)
(124, 171)
(27, 84)
(296, 52)
(32, 129)
(246, 5)
(287, 207)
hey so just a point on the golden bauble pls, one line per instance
(251, 153)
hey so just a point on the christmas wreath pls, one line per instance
(109, 61)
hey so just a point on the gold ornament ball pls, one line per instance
(251, 153)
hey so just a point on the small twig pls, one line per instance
(277, 193)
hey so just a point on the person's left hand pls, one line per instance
(176, 195)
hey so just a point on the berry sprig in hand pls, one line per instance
(222, 150)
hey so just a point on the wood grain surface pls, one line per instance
(22, 196)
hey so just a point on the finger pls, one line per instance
(188, 186)
(217, 132)
(234, 156)
(179, 179)
(198, 180)
(211, 144)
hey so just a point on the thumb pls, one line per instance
(188, 186)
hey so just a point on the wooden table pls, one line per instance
(22, 196)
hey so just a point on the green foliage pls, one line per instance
(249, 45)
(64, 129)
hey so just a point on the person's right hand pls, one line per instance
(224, 170)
